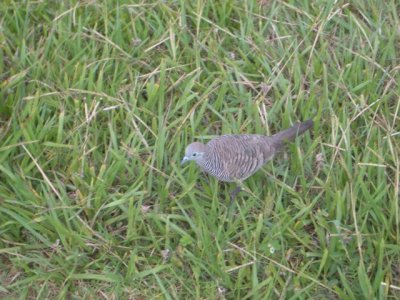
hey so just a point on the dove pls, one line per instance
(235, 157)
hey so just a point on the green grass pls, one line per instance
(99, 100)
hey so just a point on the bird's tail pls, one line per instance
(291, 133)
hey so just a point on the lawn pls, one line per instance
(98, 100)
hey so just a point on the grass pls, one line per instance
(99, 100)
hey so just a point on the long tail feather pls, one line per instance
(291, 133)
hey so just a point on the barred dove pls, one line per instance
(233, 158)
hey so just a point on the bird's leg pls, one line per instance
(235, 192)
(232, 196)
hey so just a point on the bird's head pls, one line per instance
(194, 151)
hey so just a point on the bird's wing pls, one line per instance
(242, 155)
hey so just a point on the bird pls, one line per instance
(235, 157)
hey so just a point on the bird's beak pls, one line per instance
(184, 160)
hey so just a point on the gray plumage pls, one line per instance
(236, 157)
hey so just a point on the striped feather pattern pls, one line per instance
(236, 157)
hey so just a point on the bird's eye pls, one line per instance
(194, 154)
